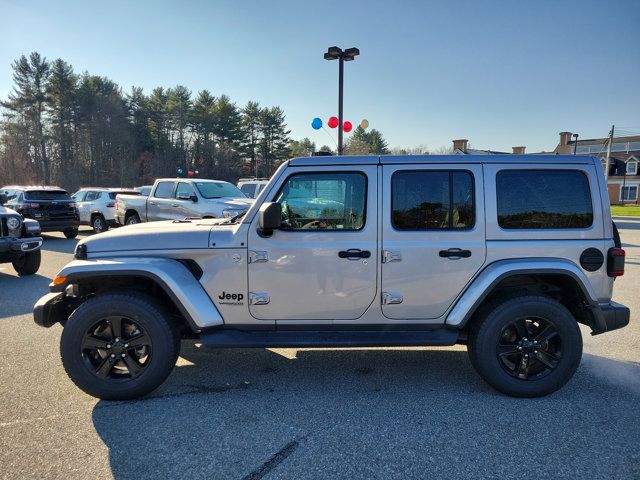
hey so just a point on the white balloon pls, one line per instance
(364, 124)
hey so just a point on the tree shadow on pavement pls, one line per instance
(364, 413)
(19, 294)
(61, 244)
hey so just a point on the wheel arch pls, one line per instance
(167, 278)
(559, 279)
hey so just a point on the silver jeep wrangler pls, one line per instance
(505, 254)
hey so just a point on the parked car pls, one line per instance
(506, 254)
(97, 206)
(252, 187)
(52, 207)
(172, 199)
(19, 240)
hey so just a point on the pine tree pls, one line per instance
(62, 107)
(251, 116)
(28, 100)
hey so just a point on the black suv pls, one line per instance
(52, 207)
(19, 240)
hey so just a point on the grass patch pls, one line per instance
(626, 211)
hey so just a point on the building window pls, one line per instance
(632, 167)
(543, 199)
(629, 193)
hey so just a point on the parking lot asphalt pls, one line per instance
(315, 413)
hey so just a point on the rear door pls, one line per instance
(161, 204)
(433, 237)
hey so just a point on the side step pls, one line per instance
(226, 338)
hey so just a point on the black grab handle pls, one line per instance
(354, 253)
(455, 252)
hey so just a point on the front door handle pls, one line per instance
(354, 253)
(455, 253)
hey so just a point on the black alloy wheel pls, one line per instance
(116, 347)
(529, 348)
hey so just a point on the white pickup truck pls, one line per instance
(178, 198)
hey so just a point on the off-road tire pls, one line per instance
(71, 233)
(485, 333)
(27, 264)
(151, 316)
(99, 224)
(132, 219)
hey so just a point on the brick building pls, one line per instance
(624, 171)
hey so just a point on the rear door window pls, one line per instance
(164, 190)
(543, 199)
(432, 200)
(248, 189)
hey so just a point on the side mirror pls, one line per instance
(269, 218)
(187, 196)
(3, 199)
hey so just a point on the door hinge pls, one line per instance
(391, 298)
(259, 298)
(258, 256)
(389, 256)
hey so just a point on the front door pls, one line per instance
(433, 237)
(321, 264)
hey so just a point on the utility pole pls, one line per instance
(609, 144)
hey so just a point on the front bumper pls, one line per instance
(50, 309)
(610, 316)
(19, 245)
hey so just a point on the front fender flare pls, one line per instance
(172, 276)
(488, 278)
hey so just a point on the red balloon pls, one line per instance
(190, 173)
(346, 126)
(333, 122)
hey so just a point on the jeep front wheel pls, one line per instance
(528, 346)
(119, 346)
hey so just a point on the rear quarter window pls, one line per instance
(543, 199)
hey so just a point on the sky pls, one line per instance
(499, 73)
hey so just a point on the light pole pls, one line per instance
(575, 143)
(336, 53)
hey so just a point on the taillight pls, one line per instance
(615, 262)
(111, 204)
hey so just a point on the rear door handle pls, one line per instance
(455, 253)
(354, 253)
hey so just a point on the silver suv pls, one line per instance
(505, 254)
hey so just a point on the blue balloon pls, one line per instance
(316, 123)
(180, 171)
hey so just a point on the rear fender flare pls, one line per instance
(487, 279)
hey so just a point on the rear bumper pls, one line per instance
(611, 316)
(58, 225)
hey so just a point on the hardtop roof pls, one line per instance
(438, 159)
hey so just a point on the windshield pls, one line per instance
(218, 190)
(47, 195)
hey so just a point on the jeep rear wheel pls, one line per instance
(528, 346)
(27, 264)
(119, 346)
